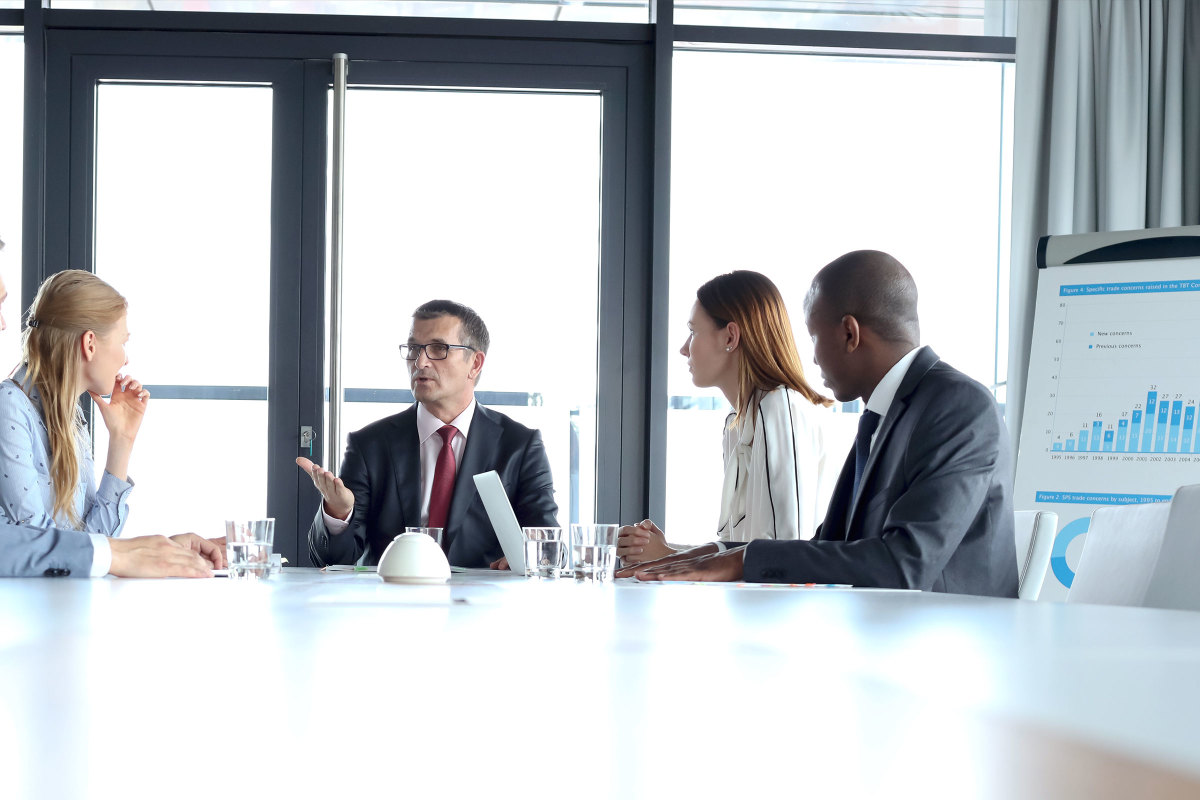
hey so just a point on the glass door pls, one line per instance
(490, 197)
(180, 182)
(198, 186)
(182, 229)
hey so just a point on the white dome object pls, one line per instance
(414, 558)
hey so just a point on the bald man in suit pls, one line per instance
(925, 499)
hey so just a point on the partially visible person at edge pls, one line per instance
(924, 500)
(740, 340)
(33, 545)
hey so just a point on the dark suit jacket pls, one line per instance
(935, 507)
(383, 468)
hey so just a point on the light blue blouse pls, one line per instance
(26, 488)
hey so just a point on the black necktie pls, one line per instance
(867, 424)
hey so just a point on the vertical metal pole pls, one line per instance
(34, 189)
(663, 17)
(333, 427)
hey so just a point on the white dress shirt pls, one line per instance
(775, 486)
(101, 555)
(885, 392)
(431, 444)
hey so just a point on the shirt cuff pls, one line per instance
(113, 489)
(721, 548)
(334, 525)
(101, 555)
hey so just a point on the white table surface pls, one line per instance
(338, 685)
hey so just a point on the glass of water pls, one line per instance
(545, 552)
(436, 533)
(248, 546)
(594, 551)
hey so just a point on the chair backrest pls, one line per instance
(1174, 583)
(1120, 554)
(1035, 539)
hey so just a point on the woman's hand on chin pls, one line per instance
(125, 408)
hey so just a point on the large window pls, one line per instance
(12, 54)
(563, 11)
(199, 189)
(781, 163)
(508, 224)
(963, 17)
(183, 177)
(510, 165)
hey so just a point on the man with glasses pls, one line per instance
(415, 468)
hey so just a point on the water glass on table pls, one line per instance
(545, 552)
(248, 546)
(594, 551)
(436, 533)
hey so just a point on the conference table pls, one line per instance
(316, 684)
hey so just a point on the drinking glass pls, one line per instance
(436, 533)
(545, 552)
(594, 551)
(248, 547)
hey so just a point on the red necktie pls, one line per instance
(443, 480)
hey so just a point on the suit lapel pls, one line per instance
(916, 371)
(405, 448)
(483, 442)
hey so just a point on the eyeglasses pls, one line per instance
(434, 351)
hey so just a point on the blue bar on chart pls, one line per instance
(1096, 427)
(1083, 441)
(1057, 446)
(1148, 432)
(1135, 431)
(1160, 430)
(1122, 434)
(1108, 440)
(1176, 420)
(1189, 420)
(1070, 445)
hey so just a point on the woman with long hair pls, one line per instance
(74, 342)
(740, 340)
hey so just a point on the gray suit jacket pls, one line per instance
(383, 468)
(935, 508)
(29, 552)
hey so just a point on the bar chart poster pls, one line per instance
(1112, 408)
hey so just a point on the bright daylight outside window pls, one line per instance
(563, 11)
(506, 223)
(781, 163)
(12, 59)
(962, 17)
(166, 156)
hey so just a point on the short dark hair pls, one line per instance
(474, 332)
(874, 288)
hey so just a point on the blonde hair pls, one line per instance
(769, 357)
(68, 304)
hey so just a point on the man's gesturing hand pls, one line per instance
(339, 501)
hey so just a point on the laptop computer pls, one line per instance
(504, 521)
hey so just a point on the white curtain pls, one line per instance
(1106, 134)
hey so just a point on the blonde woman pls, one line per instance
(74, 342)
(740, 341)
